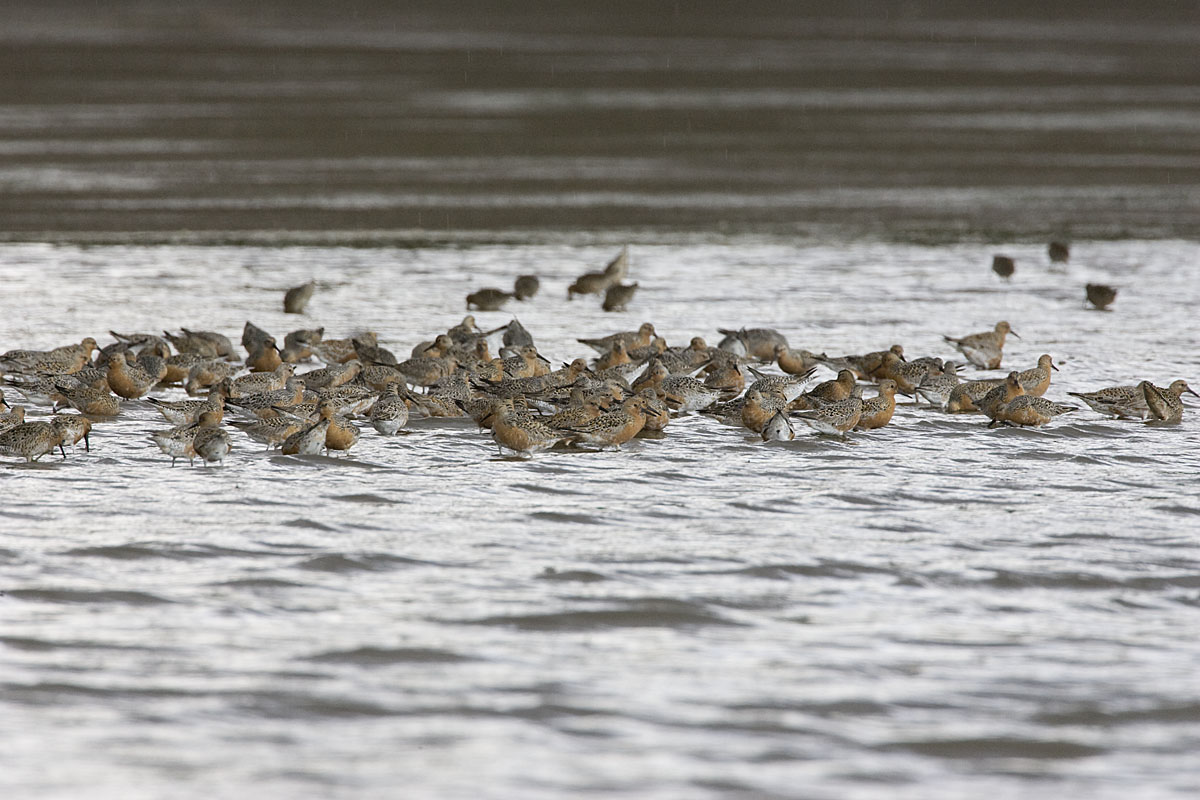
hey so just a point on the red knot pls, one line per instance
(613, 428)
(778, 429)
(759, 343)
(618, 296)
(31, 440)
(488, 299)
(834, 419)
(759, 406)
(1028, 411)
(296, 298)
(521, 431)
(1003, 266)
(129, 381)
(209, 344)
(984, 350)
(1037, 380)
(1165, 405)
(526, 286)
(389, 413)
(1100, 295)
(877, 411)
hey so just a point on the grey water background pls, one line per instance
(373, 119)
(931, 610)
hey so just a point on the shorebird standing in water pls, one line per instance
(834, 419)
(526, 286)
(759, 343)
(1165, 405)
(488, 299)
(984, 350)
(1100, 295)
(1004, 266)
(296, 298)
(778, 429)
(31, 440)
(877, 411)
(1037, 380)
(617, 296)
(1028, 411)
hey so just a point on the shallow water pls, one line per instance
(923, 611)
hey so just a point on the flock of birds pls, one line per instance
(1100, 295)
(634, 385)
(608, 282)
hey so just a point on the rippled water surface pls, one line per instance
(935, 119)
(929, 610)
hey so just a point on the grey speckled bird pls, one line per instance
(390, 412)
(790, 386)
(1165, 405)
(834, 419)
(1029, 411)
(936, 386)
(618, 296)
(759, 343)
(211, 444)
(985, 349)
(31, 440)
(778, 429)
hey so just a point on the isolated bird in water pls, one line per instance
(1003, 266)
(488, 299)
(296, 298)
(619, 295)
(526, 286)
(1101, 295)
(1059, 252)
